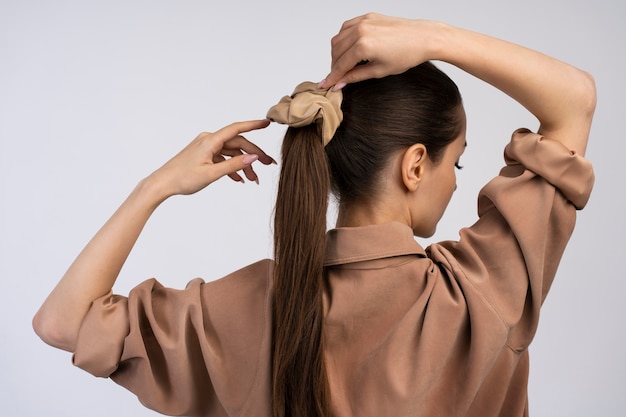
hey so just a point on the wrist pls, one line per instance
(152, 191)
(440, 42)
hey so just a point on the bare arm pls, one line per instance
(559, 95)
(95, 270)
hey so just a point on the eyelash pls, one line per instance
(458, 166)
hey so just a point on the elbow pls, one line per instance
(587, 95)
(573, 130)
(51, 331)
(582, 98)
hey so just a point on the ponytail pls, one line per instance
(299, 384)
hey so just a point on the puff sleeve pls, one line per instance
(509, 257)
(201, 351)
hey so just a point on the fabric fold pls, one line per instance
(307, 105)
(554, 162)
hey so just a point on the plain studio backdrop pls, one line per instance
(96, 95)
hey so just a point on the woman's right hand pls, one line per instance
(209, 157)
(383, 46)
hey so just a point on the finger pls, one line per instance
(236, 177)
(347, 69)
(232, 165)
(353, 22)
(235, 129)
(341, 42)
(342, 58)
(357, 51)
(240, 143)
(250, 174)
(248, 171)
(350, 47)
(351, 31)
(217, 159)
(231, 152)
(360, 73)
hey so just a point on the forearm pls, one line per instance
(95, 270)
(561, 96)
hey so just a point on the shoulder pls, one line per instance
(239, 304)
(253, 280)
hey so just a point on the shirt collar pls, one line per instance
(355, 244)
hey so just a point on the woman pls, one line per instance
(361, 320)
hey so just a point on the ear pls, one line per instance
(413, 166)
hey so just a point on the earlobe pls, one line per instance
(413, 166)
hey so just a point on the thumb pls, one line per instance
(358, 73)
(234, 164)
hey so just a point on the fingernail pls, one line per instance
(256, 180)
(321, 83)
(248, 159)
(339, 86)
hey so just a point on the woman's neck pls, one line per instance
(364, 214)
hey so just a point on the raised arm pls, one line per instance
(95, 270)
(559, 95)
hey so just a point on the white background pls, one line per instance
(95, 95)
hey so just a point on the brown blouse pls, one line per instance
(441, 331)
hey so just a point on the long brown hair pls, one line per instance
(381, 116)
(299, 381)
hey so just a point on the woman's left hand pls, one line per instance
(211, 156)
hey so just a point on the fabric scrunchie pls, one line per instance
(307, 105)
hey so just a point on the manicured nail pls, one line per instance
(321, 83)
(339, 86)
(248, 159)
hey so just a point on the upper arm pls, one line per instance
(198, 351)
(527, 215)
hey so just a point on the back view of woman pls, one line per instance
(360, 320)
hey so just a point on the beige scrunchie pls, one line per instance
(309, 104)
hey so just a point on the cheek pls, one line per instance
(453, 183)
(447, 190)
(450, 186)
